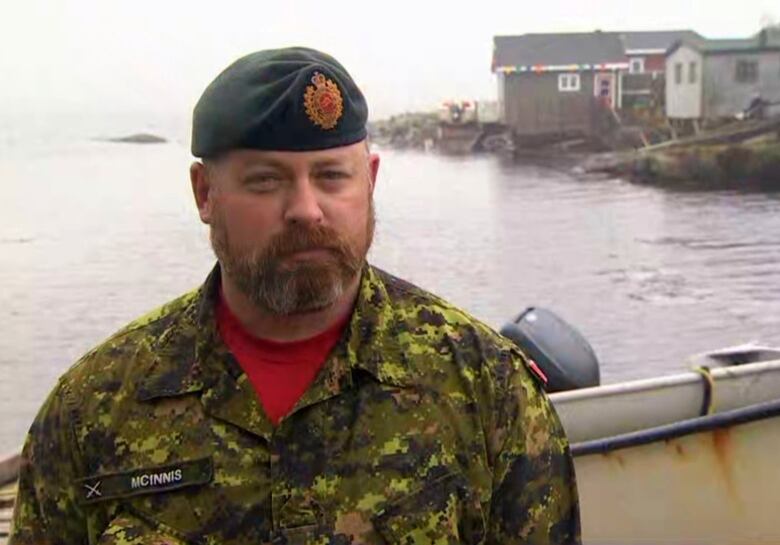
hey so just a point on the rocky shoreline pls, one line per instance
(735, 155)
(405, 131)
(712, 161)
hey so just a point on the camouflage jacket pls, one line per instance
(423, 427)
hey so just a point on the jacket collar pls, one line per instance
(189, 354)
(374, 343)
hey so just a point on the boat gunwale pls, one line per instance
(669, 381)
(691, 426)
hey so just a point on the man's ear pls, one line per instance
(373, 168)
(201, 189)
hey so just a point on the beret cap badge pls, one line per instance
(323, 102)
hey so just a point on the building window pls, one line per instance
(568, 83)
(637, 66)
(678, 70)
(747, 71)
(692, 72)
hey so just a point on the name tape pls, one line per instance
(145, 480)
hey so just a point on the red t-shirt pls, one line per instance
(280, 372)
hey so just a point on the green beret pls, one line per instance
(294, 99)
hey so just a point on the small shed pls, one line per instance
(556, 84)
(712, 79)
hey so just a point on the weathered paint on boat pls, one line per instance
(710, 480)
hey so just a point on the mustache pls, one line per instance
(299, 238)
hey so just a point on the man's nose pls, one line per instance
(302, 204)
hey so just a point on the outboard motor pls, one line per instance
(559, 350)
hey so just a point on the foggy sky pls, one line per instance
(107, 56)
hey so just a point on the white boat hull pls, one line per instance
(652, 470)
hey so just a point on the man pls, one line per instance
(300, 396)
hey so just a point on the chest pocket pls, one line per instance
(129, 530)
(152, 503)
(442, 512)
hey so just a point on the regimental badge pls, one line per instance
(323, 102)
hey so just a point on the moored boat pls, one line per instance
(688, 458)
(683, 459)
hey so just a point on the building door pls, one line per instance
(604, 88)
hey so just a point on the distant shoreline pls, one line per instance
(137, 138)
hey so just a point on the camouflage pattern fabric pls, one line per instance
(423, 427)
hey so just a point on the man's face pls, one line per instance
(291, 230)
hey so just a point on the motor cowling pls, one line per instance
(561, 352)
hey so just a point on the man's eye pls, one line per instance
(263, 181)
(333, 175)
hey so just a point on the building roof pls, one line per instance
(767, 39)
(532, 50)
(724, 46)
(770, 36)
(586, 50)
(657, 40)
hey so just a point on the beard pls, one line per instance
(277, 284)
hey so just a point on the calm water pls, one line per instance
(94, 234)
